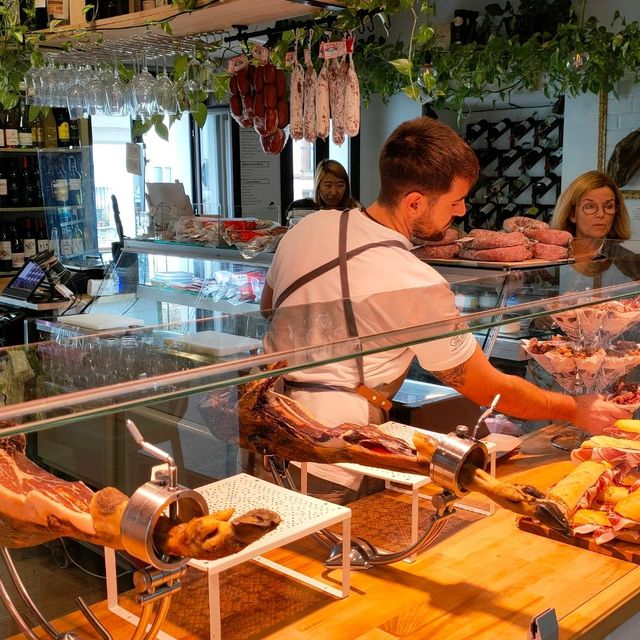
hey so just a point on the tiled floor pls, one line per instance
(53, 581)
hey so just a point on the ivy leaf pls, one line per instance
(411, 91)
(428, 82)
(200, 114)
(221, 86)
(402, 65)
(166, 27)
(424, 35)
(180, 66)
(161, 128)
(140, 127)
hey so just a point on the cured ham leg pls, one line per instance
(36, 506)
(271, 423)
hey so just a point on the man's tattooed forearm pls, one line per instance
(453, 377)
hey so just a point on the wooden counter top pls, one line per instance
(485, 581)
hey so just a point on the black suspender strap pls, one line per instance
(349, 316)
(332, 264)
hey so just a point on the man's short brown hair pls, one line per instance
(423, 155)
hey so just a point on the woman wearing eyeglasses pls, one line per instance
(592, 208)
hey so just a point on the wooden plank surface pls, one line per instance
(614, 549)
(485, 581)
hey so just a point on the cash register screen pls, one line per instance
(26, 282)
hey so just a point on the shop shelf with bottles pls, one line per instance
(66, 177)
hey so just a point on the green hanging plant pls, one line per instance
(19, 50)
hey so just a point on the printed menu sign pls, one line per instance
(259, 177)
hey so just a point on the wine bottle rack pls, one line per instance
(520, 157)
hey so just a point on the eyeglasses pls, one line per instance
(591, 208)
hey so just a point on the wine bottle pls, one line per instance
(475, 130)
(510, 158)
(463, 27)
(77, 239)
(544, 185)
(509, 210)
(488, 214)
(552, 122)
(11, 129)
(37, 131)
(62, 123)
(5, 248)
(13, 186)
(3, 187)
(533, 156)
(520, 185)
(553, 160)
(50, 131)
(66, 239)
(17, 250)
(496, 189)
(522, 128)
(74, 133)
(60, 185)
(35, 179)
(497, 130)
(41, 15)
(54, 242)
(29, 189)
(25, 137)
(75, 183)
(486, 157)
(28, 239)
(42, 241)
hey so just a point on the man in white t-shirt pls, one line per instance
(426, 170)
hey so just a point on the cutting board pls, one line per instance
(615, 549)
(215, 343)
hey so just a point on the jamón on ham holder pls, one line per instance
(36, 506)
(268, 422)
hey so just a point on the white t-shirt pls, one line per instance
(390, 289)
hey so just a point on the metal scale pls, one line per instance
(454, 451)
(156, 578)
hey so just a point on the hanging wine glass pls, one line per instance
(143, 91)
(117, 93)
(96, 93)
(166, 92)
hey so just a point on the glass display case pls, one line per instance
(67, 184)
(174, 354)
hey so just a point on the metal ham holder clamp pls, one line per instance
(454, 451)
(158, 576)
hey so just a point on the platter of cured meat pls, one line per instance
(601, 495)
(522, 243)
(583, 370)
(598, 324)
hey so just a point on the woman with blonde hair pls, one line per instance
(592, 209)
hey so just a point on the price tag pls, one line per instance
(133, 159)
(261, 53)
(291, 58)
(237, 63)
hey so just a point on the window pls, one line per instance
(216, 174)
(165, 162)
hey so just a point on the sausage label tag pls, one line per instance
(236, 63)
(260, 53)
(336, 48)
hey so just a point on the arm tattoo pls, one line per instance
(453, 377)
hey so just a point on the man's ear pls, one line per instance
(414, 201)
